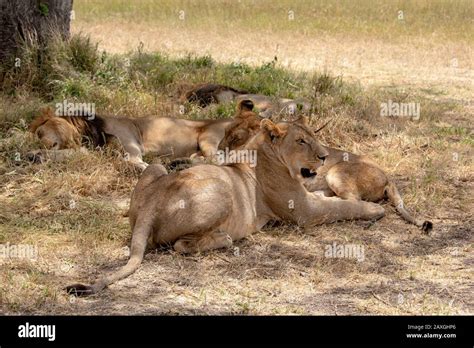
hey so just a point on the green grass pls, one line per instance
(138, 83)
(77, 70)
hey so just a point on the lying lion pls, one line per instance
(208, 206)
(272, 107)
(344, 174)
(163, 136)
(209, 93)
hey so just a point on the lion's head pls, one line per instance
(295, 145)
(54, 132)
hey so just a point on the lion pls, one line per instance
(344, 174)
(209, 206)
(163, 136)
(210, 93)
(273, 107)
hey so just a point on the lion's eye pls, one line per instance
(301, 141)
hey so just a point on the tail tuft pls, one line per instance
(79, 290)
(180, 164)
(427, 227)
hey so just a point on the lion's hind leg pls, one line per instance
(357, 181)
(193, 212)
(208, 241)
(342, 185)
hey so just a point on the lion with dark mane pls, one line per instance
(163, 136)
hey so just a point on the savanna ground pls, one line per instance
(347, 58)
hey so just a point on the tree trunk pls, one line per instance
(31, 20)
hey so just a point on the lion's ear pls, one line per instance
(44, 116)
(272, 129)
(303, 120)
(245, 105)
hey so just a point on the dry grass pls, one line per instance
(431, 50)
(282, 269)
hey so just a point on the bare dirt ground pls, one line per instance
(281, 273)
(277, 271)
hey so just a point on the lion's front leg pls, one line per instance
(43, 155)
(133, 154)
(318, 210)
(208, 144)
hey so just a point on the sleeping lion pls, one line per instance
(163, 136)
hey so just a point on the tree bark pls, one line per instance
(31, 20)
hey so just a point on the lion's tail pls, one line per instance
(394, 196)
(139, 241)
(141, 231)
(180, 163)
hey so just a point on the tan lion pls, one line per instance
(163, 136)
(344, 174)
(272, 107)
(208, 206)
